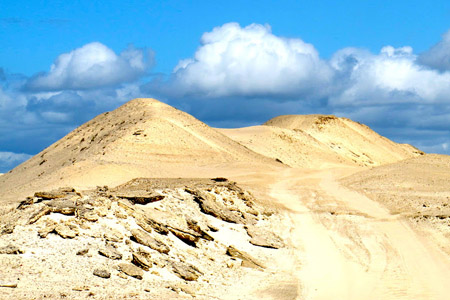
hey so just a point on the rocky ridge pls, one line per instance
(172, 235)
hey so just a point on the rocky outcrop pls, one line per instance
(141, 199)
(62, 206)
(183, 233)
(47, 227)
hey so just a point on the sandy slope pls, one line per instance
(353, 248)
(294, 148)
(142, 138)
(350, 141)
(417, 188)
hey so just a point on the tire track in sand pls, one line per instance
(401, 264)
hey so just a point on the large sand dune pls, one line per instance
(143, 138)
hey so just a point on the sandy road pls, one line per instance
(353, 248)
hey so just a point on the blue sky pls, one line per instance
(229, 63)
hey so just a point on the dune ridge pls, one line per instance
(321, 141)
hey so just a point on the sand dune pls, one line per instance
(352, 142)
(142, 138)
(293, 148)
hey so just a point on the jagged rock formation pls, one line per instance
(161, 242)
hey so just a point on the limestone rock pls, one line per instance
(247, 260)
(58, 193)
(263, 238)
(250, 219)
(189, 238)
(184, 287)
(7, 228)
(141, 260)
(110, 252)
(48, 227)
(131, 270)
(193, 225)
(127, 205)
(49, 195)
(102, 273)
(66, 231)
(28, 201)
(185, 271)
(142, 199)
(210, 206)
(87, 214)
(45, 210)
(10, 249)
(113, 236)
(153, 219)
(63, 206)
(145, 239)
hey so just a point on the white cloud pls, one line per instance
(250, 61)
(438, 57)
(235, 61)
(392, 76)
(91, 66)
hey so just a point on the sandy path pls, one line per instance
(352, 248)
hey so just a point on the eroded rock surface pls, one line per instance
(164, 232)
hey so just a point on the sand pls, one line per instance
(361, 217)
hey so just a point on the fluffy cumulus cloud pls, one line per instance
(92, 66)
(250, 61)
(392, 76)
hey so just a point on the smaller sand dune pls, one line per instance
(294, 148)
(319, 141)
